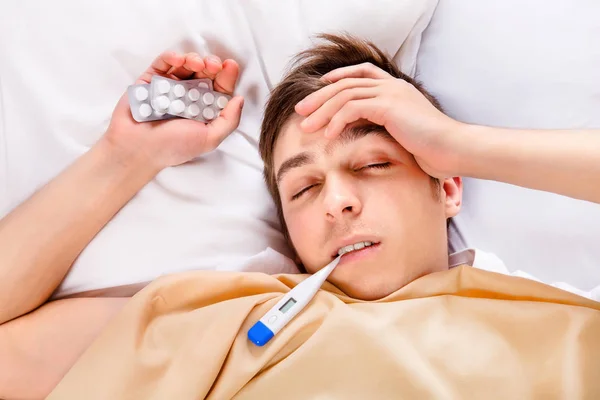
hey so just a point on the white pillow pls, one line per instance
(528, 64)
(64, 64)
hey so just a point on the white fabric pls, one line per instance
(277, 263)
(527, 64)
(490, 262)
(64, 64)
(267, 260)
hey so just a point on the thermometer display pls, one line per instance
(288, 304)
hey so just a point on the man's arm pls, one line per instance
(560, 161)
(41, 238)
(38, 349)
(566, 162)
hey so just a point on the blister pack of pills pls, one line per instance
(165, 98)
(193, 99)
(139, 103)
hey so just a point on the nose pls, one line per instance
(341, 199)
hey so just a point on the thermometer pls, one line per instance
(289, 306)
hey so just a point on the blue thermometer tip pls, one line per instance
(259, 334)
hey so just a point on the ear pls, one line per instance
(452, 195)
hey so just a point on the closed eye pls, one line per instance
(301, 192)
(384, 165)
(378, 166)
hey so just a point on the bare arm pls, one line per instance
(42, 237)
(566, 162)
(560, 161)
(38, 349)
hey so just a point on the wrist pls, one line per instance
(456, 147)
(477, 151)
(132, 159)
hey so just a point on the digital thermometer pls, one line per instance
(289, 306)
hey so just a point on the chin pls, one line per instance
(363, 289)
(368, 295)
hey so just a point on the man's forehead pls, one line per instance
(293, 139)
(352, 133)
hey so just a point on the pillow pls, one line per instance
(63, 66)
(532, 64)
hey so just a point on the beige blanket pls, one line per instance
(458, 334)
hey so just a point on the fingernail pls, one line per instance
(214, 59)
(305, 122)
(300, 104)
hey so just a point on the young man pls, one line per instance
(362, 189)
(337, 166)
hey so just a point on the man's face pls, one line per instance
(362, 187)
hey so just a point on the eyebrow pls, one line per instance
(356, 132)
(348, 135)
(296, 161)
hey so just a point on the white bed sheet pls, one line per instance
(522, 64)
(64, 64)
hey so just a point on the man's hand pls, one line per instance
(365, 92)
(40, 239)
(566, 162)
(176, 141)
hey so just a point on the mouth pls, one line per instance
(353, 248)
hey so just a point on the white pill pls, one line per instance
(163, 87)
(176, 107)
(193, 110)
(194, 94)
(222, 102)
(141, 93)
(158, 113)
(208, 98)
(162, 103)
(203, 85)
(179, 90)
(145, 110)
(208, 113)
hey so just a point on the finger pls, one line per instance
(162, 65)
(351, 112)
(226, 79)
(323, 114)
(212, 66)
(315, 100)
(193, 64)
(225, 123)
(364, 70)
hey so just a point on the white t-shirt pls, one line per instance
(490, 262)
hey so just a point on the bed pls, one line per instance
(64, 64)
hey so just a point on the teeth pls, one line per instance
(352, 247)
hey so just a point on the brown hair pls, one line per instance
(303, 79)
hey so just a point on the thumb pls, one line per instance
(122, 107)
(226, 123)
